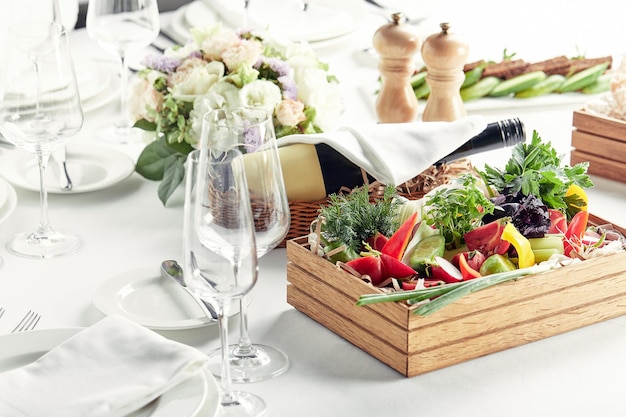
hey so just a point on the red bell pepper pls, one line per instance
(467, 271)
(378, 241)
(396, 245)
(394, 268)
(369, 265)
(575, 231)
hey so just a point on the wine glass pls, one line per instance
(123, 26)
(40, 110)
(219, 251)
(252, 131)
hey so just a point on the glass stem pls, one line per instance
(123, 122)
(244, 345)
(44, 223)
(228, 397)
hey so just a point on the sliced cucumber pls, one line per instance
(583, 78)
(546, 86)
(472, 76)
(481, 89)
(601, 85)
(519, 83)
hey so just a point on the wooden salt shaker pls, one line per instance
(444, 54)
(396, 45)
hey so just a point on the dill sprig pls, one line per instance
(353, 218)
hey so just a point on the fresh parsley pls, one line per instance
(536, 169)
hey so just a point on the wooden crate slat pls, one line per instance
(599, 125)
(489, 343)
(598, 145)
(332, 299)
(369, 342)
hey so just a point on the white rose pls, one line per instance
(261, 93)
(143, 96)
(328, 104)
(290, 112)
(213, 46)
(197, 79)
(221, 95)
(244, 53)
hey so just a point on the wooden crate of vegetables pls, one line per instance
(458, 313)
(602, 142)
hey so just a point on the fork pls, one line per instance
(29, 322)
(60, 157)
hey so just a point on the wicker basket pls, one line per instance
(304, 212)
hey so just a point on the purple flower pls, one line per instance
(161, 63)
(251, 138)
(290, 90)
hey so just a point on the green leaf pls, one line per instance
(143, 124)
(172, 177)
(157, 156)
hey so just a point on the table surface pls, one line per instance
(126, 227)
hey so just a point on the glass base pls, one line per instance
(44, 245)
(262, 363)
(121, 135)
(244, 405)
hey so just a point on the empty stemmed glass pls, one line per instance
(251, 130)
(219, 252)
(123, 26)
(40, 110)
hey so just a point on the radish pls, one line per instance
(444, 270)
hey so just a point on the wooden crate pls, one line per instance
(501, 317)
(602, 142)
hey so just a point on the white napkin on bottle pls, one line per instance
(393, 153)
(110, 369)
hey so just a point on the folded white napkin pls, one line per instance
(109, 369)
(393, 153)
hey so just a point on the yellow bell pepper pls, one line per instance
(525, 254)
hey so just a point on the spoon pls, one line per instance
(173, 270)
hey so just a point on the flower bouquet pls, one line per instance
(222, 68)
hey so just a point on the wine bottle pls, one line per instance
(313, 172)
(497, 135)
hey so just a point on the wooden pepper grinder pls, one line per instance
(444, 54)
(396, 45)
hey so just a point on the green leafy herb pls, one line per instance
(536, 169)
(352, 218)
(457, 209)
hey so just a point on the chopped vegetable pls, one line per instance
(371, 266)
(397, 243)
(457, 209)
(575, 230)
(466, 270)
(525, 255)
(444, 295)
(495, 264)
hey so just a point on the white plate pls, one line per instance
(178, 29)
(109, 92)
(197, 396)
(146, 297)
(198, 14)
(8, 199)
(91, 168)
(325, 19)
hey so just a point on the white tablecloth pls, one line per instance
(126, 227)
